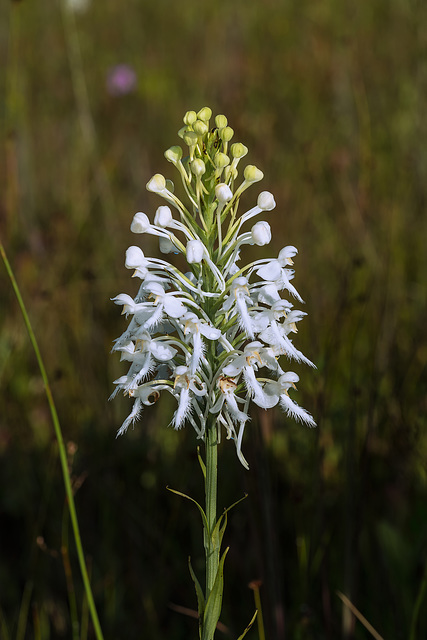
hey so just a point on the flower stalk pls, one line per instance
(212, 549)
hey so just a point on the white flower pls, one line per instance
(223, 193)
(163, 217)
(195, 328)
(187, 387)
(280, 389)
(276, 271)
(238, 302)
(140, 223)
(261, 233)
(195, 251)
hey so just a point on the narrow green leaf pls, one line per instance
(218, 532)
(201, 463)
(216, 536)
(200, 596)
(222, 529)
(249, 626)
(183, 495)
(214, 603)
(236, 503)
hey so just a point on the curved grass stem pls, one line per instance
(61, 447)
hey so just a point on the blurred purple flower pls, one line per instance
(121, 79)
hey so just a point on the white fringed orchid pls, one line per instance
(208, 329)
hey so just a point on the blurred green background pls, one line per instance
(330, 96)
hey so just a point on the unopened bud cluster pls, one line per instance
(210, 334)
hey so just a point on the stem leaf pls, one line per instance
(249, 626)
(218, 532)
(200, 596)
(201, 463)
(184, 495)
(214, 603)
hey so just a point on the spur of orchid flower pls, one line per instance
(209, 329)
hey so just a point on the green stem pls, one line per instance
(61, 446)
(211, 547)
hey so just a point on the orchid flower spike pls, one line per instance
(213, 334)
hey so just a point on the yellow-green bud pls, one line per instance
(226, 134)
(205, 114)
(200, 127)
(198, 167)
(190, 138)
(170, 185)
(252, 174)
(157, 183)
(238, 150)
(221, 122)
(182, 131)
(174, 154)
(221, 160)
(190, 117)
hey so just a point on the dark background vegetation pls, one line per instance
(330, 97)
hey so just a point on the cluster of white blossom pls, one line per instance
(210, 333)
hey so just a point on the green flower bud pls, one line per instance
(252, 174)
(190, 138)
(238, 150)
(190, 117)
(198, 167)
(205, 114)
(221, 160)
(182, 131)
(170, 185)
(200, 127)
(157, 183)
(174, 154)
(226, 134)
(221, 122)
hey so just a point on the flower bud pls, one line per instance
(182, 131)
(266, 201)
(205, 114)
(140, 223)
(226, 134)
(163, 217)
(195, 251)
(238, 150)
(190, 117)
(134, 258)
(261, 233)
(200, 127)
(223, 193)
(252, 174)
(221, 122)
(157, 183)
(221, 160)
(198, 167)
(190, 138)
(174, 154)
